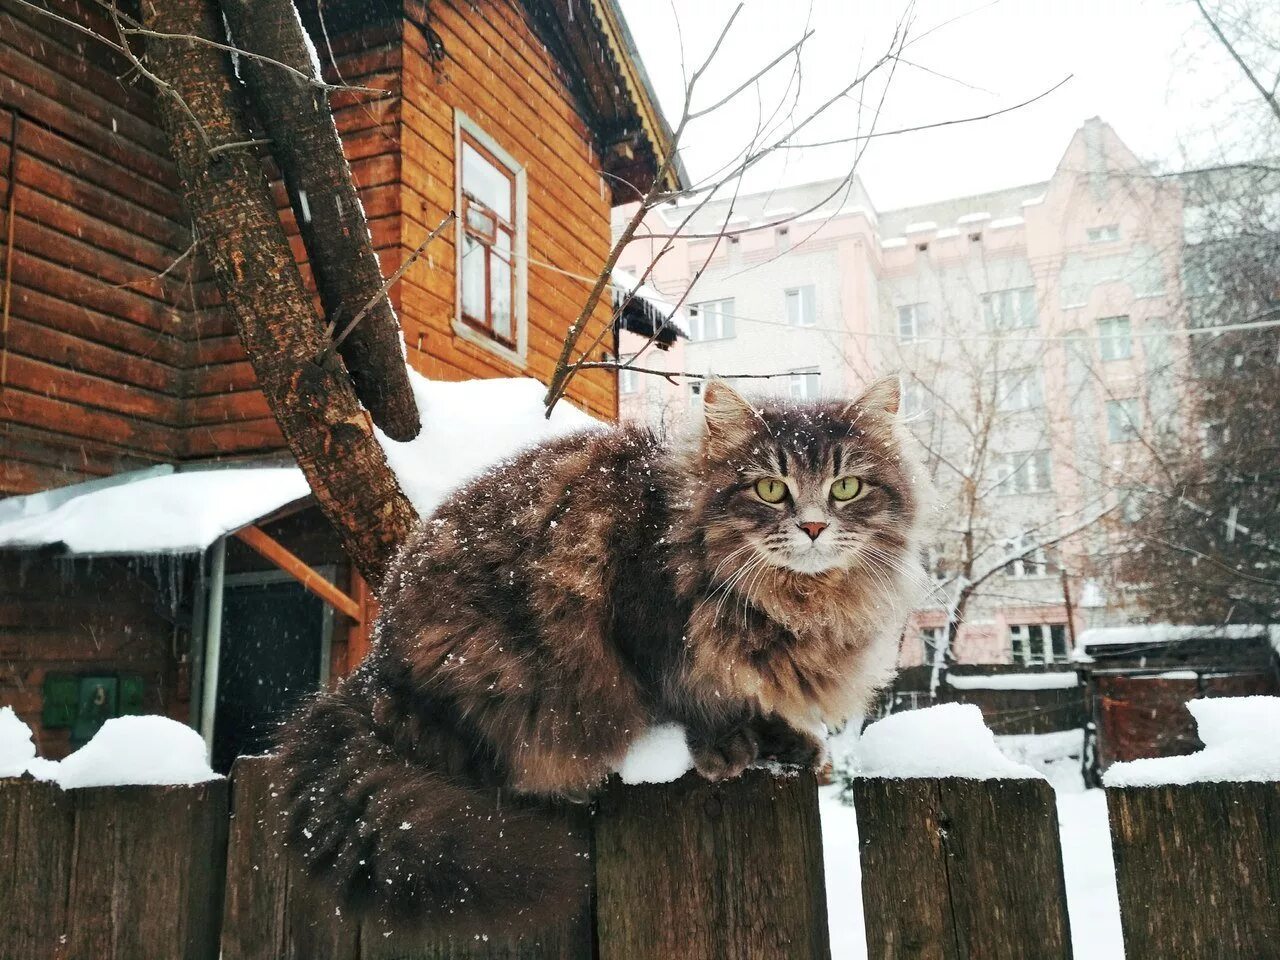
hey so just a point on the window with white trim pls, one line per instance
(492, 235)
(804, 384)
(711, 320)
(915, 399)
(1037, 643)
(1114, 339)
(1123, 421)
(1010, 309)
(931, 639)
(1103, 234)
(1019, 388)
(1029, 558)
(800, 307)
(628, 379)
(913, 321)
(1025, 472)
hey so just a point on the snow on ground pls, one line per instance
(1241, 737)
(1086, 852)
(126, 750)
(949, 740)
(477, 423)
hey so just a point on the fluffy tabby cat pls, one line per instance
(751, 586)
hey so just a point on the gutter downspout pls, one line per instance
(212, 642)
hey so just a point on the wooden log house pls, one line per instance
(528, 117)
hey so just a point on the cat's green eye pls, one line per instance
(848, 488)
(771, 490)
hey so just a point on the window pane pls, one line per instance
(473, 257)
(500, 293)
(1058, 638)
(486, 183)
(1122, 420)
(480, 220)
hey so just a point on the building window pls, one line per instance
(915, 400)
(1122, 420)
(931, 639)
(492, 228)
(803, 384)
(1029, 472)
(711, 320)
(1010, 309)
(1034, 643)
(913, 321)
(800, 308)
(1103, 234)
(628, 379)
(1114, 338)
(1018, 389)
(1031, 560)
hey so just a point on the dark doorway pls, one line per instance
(273, 644)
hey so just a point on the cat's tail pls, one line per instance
(412, 846)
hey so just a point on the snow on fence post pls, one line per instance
(273, 914)
(706, 871)
(957, 868)
(1198, 869)
(111, 872)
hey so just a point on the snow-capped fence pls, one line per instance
(952, 868)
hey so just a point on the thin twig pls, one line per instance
(387, 285)
(236, 145)
(670, 375)
(195, 243)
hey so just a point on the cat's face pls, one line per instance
(808, 487)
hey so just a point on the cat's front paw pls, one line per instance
(727, 755)
(782, 743)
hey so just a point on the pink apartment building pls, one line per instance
(1035, 331)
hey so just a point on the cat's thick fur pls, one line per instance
(556, 607)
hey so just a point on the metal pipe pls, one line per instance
(212, 642)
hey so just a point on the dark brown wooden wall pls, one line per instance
(90, 616)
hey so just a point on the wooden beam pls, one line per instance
(274, 551)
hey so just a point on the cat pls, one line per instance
(751, 585)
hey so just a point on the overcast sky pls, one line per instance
(1148, 67)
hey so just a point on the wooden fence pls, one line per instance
(691, 870)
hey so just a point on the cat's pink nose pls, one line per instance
(812, 528)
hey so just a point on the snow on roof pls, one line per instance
(469, 426)
(922, 226)
(155, 511)
(949, 740)
(1241, 737)
(973, 217)
(1055, 680)
(1005, 222)
(1159, 633)
(659, 307)
(893, 243)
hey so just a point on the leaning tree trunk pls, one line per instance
(233, 214)
(308, 150)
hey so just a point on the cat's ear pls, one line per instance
(881, 396)
(727, 416)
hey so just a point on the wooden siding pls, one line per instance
(111, 366)
(497, 72)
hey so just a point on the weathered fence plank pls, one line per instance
(272, 913)
(705, 871)
(956, 869)
(37, 823)
(123, 873)
(1198, 869)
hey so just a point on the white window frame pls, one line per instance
(805, 312)
(913, 318)
(628, 379)
(1014, 308)
(930, 639)
(1115, 338)
(1030, 471)
(1124, 420)
(520, 252)
(914, 401)
(1036, 563)
(700, 315)
(1019, 389)
(1032, 643)
(804, 383)
(1104, 234)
